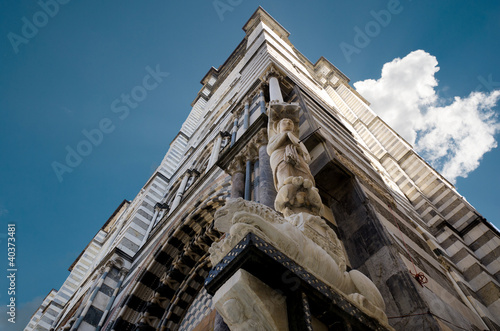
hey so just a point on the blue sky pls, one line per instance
(63, 78)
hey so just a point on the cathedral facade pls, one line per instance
(284, 202)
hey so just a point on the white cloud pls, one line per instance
(456, 137)
(405, 87)
(453, 137)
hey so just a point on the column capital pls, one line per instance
(252, 95)
(250, 152)
(272, 71)
(110, 264)
(237, 113)
(260, 138)
(237, 165)
(123, 272)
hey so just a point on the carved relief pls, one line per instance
(246, 303)
(305, 239)
(250, 152)
(260, 138)
(289, 162)
(237, 165)
(272, 71)
(302, 234)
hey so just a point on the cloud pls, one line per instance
(406, 86)
(451, 136)
(23, 315)
(456, 137)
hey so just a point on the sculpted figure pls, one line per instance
(301, 234)
(289, 160)
(289, 156)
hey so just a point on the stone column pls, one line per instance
(226, 138)
(262, 102)
(267, 192)
(237, 171)
(150, 226)
(123, 272)
(180, 191)
(234, 130)
(250, 155)
(274, 90)
(215, 152)
(246, 117)
(248, 176)
(256, 180)
(105, 271)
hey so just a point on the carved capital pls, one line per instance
(272, 71)
(123, 272)
(101, 270)
(109, 264)
(237, 165)
(260, 138)
(250, 152)
(237, 114)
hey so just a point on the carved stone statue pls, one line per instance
(289, 160)
(313, 245)
(301, 234)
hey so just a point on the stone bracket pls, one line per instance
(246, 303)
(283, 275)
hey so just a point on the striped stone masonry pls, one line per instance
(432, 256)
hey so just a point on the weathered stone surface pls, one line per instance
(289, 160)
(246, 303)
(238, 185)
(239, 217)
(267, 192)
(489, 293)
(93, 316)
(219, 324)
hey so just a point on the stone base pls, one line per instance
(316, 229)
(308, 299)
(246, 303)
(304, 240)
